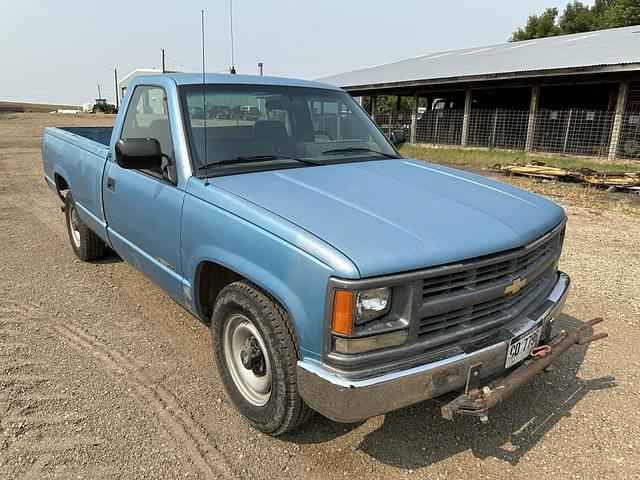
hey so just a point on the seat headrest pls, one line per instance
(269, 128)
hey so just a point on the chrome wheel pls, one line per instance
(75, 226)
(247, 359)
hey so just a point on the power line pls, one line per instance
(217, 70)
(180, 63)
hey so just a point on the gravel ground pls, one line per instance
(103, 376)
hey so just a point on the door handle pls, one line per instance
(111, 184)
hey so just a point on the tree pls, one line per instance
(578, 17)
(538, 26)
(621, 13)
(388, 103)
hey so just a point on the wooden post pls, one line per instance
(617, 121)
(394, 120)
(414, 119)
(494, 128)
(373, 107)
(531, 125)
(566, 134)
(468, 98)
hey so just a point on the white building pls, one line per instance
(124, 82)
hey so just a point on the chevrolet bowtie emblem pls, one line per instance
(515, 286)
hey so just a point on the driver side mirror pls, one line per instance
(398, 137)
(138, 153)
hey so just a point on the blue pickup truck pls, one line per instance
(336, 275)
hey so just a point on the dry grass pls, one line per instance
(577, 195)
(33, 107)
(567, 194)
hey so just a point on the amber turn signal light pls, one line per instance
(342, 321)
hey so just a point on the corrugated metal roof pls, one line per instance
(614, 47)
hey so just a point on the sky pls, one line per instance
(59, 51)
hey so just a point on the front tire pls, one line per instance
(85, 244)
(255, 352)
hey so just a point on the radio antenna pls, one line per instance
(204, 105)
(232, 70)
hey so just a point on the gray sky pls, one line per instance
(58, 51)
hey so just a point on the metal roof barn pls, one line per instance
(572, 94)
(613, 50)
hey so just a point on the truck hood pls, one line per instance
(397, 215)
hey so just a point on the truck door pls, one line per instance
(143, 207)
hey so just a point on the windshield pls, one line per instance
(262, 127)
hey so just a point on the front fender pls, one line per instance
(294, 277)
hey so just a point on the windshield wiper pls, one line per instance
(255, 158)
(357, 150)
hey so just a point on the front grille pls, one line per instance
(489, 273)
(468, 300)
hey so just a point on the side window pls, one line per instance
(148, 117)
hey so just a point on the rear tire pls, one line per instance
(85, 244)
(255, 352)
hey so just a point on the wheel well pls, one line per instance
(61, 184)
(212, 278)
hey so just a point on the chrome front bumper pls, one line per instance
(345, 400)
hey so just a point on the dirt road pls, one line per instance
(102, 376)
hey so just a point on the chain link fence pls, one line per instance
(575, 132)
(390, 121)
(443, 127)
(571, 132)
(629, 143)
(499, 128)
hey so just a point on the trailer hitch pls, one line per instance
(478, 401)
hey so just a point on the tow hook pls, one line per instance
(478, 401)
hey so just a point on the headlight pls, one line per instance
(356, 307)
(372, 304)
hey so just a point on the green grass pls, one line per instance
(480, 158)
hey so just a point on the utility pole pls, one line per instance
(115, 76)
(260, 65)
(163, 69)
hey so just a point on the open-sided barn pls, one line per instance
(575, 94)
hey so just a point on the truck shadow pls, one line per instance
(110, 257)
(418, 436)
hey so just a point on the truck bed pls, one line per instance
(75, 157)
(101, 135)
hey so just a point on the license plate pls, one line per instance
(520, 346)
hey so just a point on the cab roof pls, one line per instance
(226, 78)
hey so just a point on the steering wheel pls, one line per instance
(309, 137)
